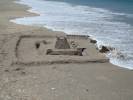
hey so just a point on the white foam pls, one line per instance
(96, 22)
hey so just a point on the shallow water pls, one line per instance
(111, 27)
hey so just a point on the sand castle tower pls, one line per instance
(62, 43)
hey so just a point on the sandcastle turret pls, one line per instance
(62, 43)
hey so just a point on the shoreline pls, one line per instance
(108, 48)
(50, 77)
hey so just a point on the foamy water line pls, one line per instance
(86, 20)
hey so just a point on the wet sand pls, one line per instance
(27, 73)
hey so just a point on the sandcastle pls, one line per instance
(39, 50)
(63, 48)
(62, 43)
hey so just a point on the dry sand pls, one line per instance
(29, 74)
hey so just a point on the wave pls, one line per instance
(95, 22)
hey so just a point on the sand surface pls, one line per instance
(28, 73)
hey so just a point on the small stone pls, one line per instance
(6, 70)
(53, 88)
(17, 69)
(104, 49)
(37, 44)
(87, 90)
(23, 73)
(93, 41)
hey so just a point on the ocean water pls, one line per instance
(110, 22)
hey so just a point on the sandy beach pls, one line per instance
(35, 65)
